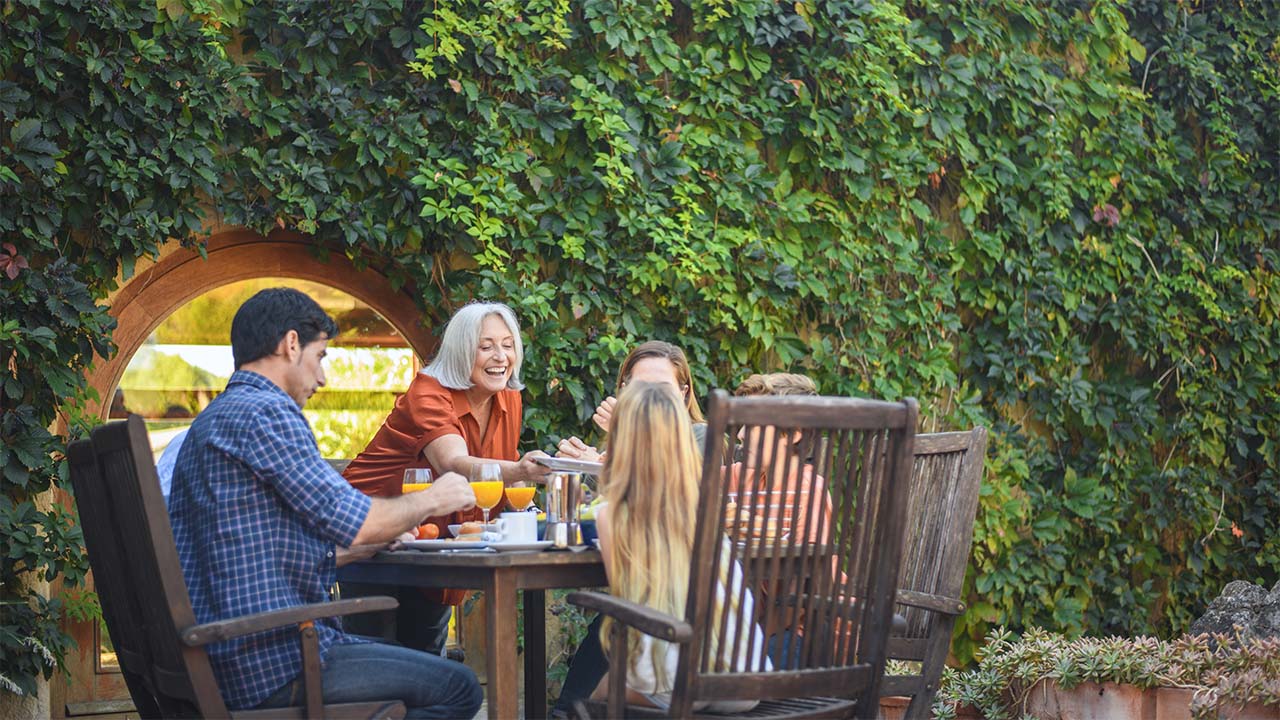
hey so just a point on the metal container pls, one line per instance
(564, 499)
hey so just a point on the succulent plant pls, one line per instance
(1223, 671)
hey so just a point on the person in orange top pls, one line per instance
(781, 487)
(462, 409)
(781, 483)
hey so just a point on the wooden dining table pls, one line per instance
(499, 575)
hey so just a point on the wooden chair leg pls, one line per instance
(921, 705)
(618, 670)
(311, 686)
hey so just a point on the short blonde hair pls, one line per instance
(457, 352)
(777, 384)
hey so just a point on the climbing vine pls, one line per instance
(1059, 219)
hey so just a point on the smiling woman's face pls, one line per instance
(494, 355)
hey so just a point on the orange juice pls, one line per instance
(415, 487)
(520, 497)
(488, 493)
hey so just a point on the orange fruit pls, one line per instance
(427, 532)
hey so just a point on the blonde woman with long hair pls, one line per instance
(646, 527)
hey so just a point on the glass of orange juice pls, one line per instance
(416, 479)
(486, 483)
(520, 496)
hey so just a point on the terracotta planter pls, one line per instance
(1090, 701)
(895, 708)
(1175, 704)
(1107, 701)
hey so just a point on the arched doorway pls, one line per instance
(140, 305)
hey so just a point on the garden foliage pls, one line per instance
(1057, 218)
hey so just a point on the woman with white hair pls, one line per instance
(462, 409)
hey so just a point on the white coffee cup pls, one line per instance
(518, 527)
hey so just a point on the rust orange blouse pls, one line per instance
(425, 412)
(777, 501)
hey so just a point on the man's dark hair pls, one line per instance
(268, 316)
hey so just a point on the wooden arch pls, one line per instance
(150, 296)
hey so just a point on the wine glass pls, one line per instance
(520, 495)
(416, 479)
(486, 483)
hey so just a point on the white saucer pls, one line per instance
(444, 545)
(519, 546)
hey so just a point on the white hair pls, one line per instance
(457, 354)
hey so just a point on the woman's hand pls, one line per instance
(604, 413)
(572, 447)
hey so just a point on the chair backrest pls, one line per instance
(819, 552)
(946, 478)
(137, 573)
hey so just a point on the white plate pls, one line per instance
(586, 467)
(444, 545)
(517, 546)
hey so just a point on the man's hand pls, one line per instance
(356, 553)
(451, 493)
(572, 447)
(604, 413)
(399, 542)
(526, 470)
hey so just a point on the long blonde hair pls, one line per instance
(650, 480)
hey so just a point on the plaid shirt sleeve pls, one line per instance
(286, 457)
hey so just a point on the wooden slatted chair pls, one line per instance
(820, 557)
(946, 478)
(144, 597)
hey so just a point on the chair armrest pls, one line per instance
(925, 601)
(198, 635)
(645, 619)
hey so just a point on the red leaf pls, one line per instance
(11, 262)
(11, 249)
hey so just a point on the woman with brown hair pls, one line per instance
(652, 361)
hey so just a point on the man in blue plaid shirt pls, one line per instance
(262, 522)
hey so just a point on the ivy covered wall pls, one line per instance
(1059, 219)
